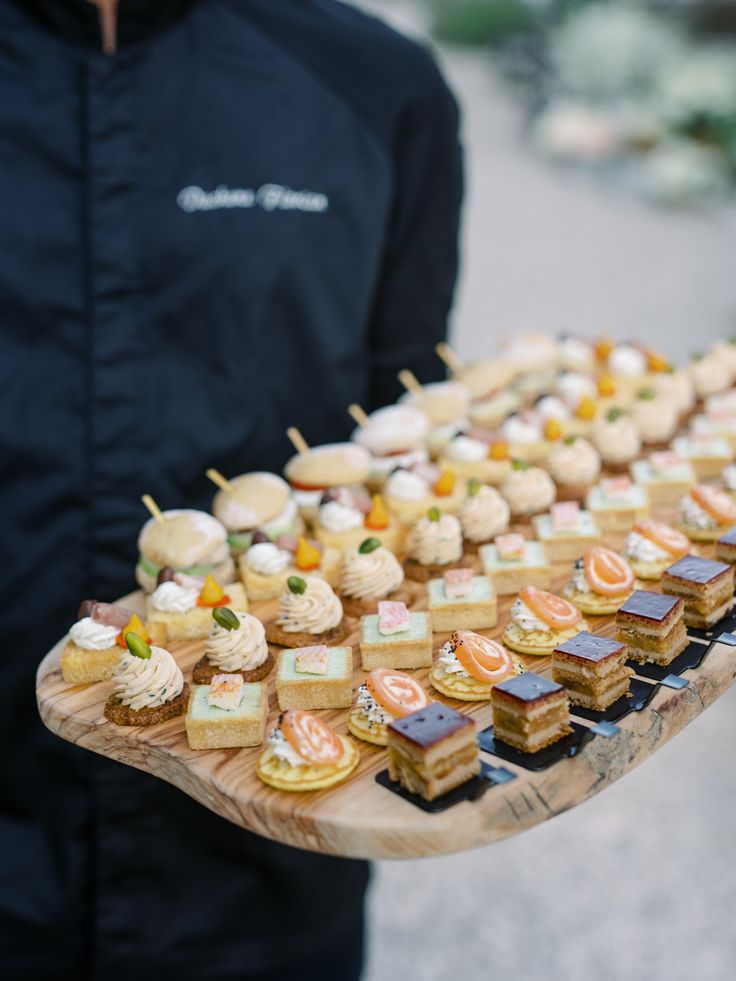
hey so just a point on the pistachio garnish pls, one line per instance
(225, 618)
(647, 394)
(369, 545)
(296, 585)
(569, 439)
(434, 514)
(473, 487)
(613, 414)
(137, 645)
(519, 465)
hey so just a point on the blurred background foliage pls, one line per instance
(644, 92)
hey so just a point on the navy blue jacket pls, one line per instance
(244, 219)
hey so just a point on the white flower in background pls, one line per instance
(573, 131)
(701, 85)
(612, 50)
(682, 171)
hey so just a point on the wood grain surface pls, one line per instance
(359, 818)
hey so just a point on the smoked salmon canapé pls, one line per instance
(469, 665)
(302, 753)
(706, 512)
(540, 621)
(601, 582)
(653, 545)
(385, 695)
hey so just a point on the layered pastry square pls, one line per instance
(530, 712)
(395, 638)
(226, 713)
(566, 532)
(666, 477)
(316, 677)
(705, 586)
(461, 600)
(432, 751)
(616, 504)
(512, 562)
(707, 454)
(592, 669)
(726, 547)
(652, 626)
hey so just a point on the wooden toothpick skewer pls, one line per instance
(298, 441)
(153, 508)
(410, 383)
(217, 478)
(446, 354)
(359, 415)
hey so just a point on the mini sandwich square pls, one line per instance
(477, 610)
(210, 727)
(300, 689)
(410, 648)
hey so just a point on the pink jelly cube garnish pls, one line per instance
(613, 486)
(311, 660)
(565, 516)
(393, 618)
(510, 546)
(665, 461)
(458, 583)
(226, 691)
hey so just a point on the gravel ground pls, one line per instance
(637, 883)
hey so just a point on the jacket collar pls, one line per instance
(78, 21)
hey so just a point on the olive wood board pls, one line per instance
(360, 818)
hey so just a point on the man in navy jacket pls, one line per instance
(243, 218)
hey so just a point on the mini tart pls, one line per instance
(124, 715)
(423, 573)
(361, 607)
(538, 643)
(277, 635)
(282, 776)
(699, 534)
(204, 671)
(595, 604)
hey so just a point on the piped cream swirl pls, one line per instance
(148, 682)
(372, 575)
(314, 611)
(436, 542)
(484, 515)
(243, 649)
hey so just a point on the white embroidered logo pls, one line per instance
(268, 197)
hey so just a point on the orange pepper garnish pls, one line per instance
(377, 518)
(307, 557)
(135, 624)
(212, 594)
(445, 484)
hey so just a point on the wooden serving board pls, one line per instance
(361, 819)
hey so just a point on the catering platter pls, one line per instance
(361, 818)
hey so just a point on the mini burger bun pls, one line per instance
(393, 429)
(255, 499)
(442, 402)
(331, 465)
(185, 538)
